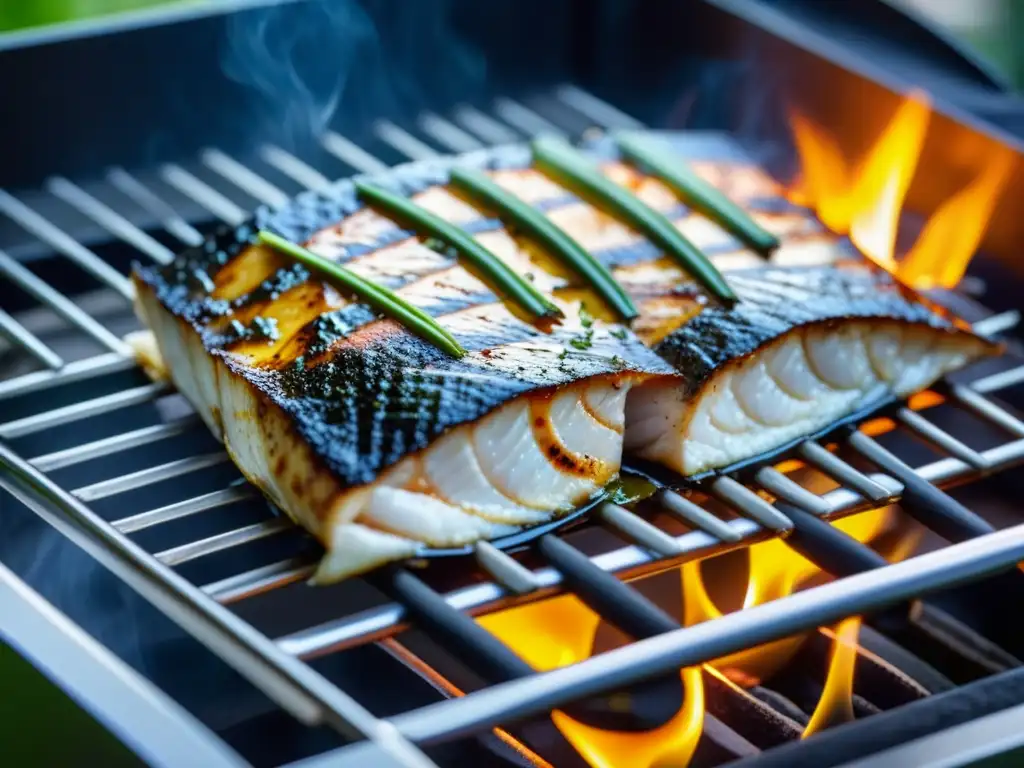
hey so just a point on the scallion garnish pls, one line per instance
(503, 278)
(658, 160)
(566, 165)
(538, 226)
(383, 299)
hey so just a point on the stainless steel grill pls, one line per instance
(122, 415)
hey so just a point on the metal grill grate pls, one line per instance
(275, 665)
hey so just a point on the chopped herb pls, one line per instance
(563, 354)
(524, 217)
(657, 158)
(501, 277)
(383, 299)
(568, 166)
(583, 341)
(586, 320)
(618, 362)
(619, 333)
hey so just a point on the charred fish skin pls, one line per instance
(802, 350)
(368, 436)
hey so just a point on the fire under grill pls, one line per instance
(125, 470)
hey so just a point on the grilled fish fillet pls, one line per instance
(801, 350)
(379, 444)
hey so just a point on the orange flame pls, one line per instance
(836, 703)
(559, 632)
(865, 200)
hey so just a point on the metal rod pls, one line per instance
(403, 141)
(605, 594)
(198, 190)
(460, 635)
(839, 470)
(634, 528)
(996, 324)
(924, 501)
(352, 154)
(244, 178)
(525, 119)
(77, 370)
(448, 134)
(941, 438)
(296, 687)
(291, 166)
(645, 659)
(695, 515)
(148, 476)
(259, 580)
(483, 125)
(157, 206)
(182, 509)
(208, 546)
(63, 242)
(749, 503)
(109, 219)
(826, 546)
(516, 579)
(789, 490)
(60, 304)
(105, 446)
(601, 112)
(997, 381)
(383, 620)
(82, 410)
(28, 341)
(985, 408)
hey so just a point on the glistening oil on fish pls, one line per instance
(384, 444)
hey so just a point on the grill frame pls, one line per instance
(275, 665)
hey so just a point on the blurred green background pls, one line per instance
(18, 14)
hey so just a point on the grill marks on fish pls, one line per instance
(803, 349)
(379, 444)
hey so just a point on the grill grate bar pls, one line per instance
(648, 658)
(985, 408)
(109, 219)
(169, 219)
(352, 154)
(77, 370)
(695, 515)
(104, 447)
(941, 438)
(243, 178)
(291, 166)
(598, 110)
(447, 134)
(839, 470)
(263, 579)
(82, 410)
(403, 141)
(516, 579)
(208, 546)
(997, 381)
(60, 304)
(198, 190)
(483, 125)
(184, 508)
(638, 530)
(924, 501)
(295, 686)
(525, 119)
(34, 223)
(20, 335)
(148, 476)
(782, 487)
(749, 503)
